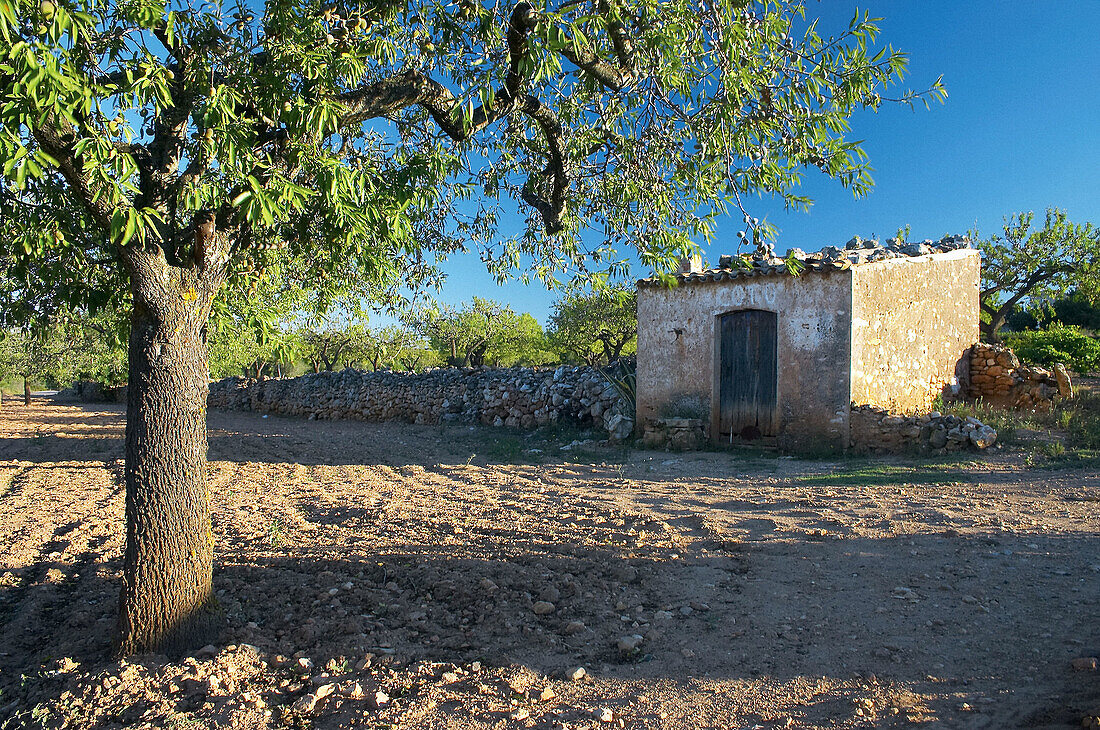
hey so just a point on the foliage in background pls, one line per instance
(483, 332)
(595, 327)
(1036, 265)
(55, 355)
(1073, 309)
(1068, 345)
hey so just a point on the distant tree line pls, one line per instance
(585, 328)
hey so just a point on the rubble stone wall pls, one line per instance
(516, 397)
(998, 378)
(876, 430)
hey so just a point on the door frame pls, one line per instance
(716, 370)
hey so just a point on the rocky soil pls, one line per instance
(385, 575)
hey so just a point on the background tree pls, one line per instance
(466, 335)
(595, 327)
(327, 348)
(525, 344)
(1035, 265)
(44, 356)
(195, 138)
(384, 347)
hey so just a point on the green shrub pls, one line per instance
(1059, 343)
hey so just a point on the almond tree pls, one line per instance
(369, 139)
(1040, 264)
(595, 327)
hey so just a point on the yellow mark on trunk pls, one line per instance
(189, 294)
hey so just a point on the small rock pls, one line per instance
(1084, 664)
(542, 608)
(686, 610)
(574, 627)
(521, 713)
(662, 616)
(550, 594)
(576, 674)
(380, 699)
(207, 651)
(450, 677)
(547, 694)
(304, 704)
(629, 644)
(605, 714)
(324, 690)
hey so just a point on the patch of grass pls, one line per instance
(275, 532)
(890, 474)
(1042, 458)
(506, 449)
(1007, 421)
(1080, 417)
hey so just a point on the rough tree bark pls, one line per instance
(26, 392)
(167, 602)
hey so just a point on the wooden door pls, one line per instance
(748, 374)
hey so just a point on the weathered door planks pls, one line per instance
(748, 374)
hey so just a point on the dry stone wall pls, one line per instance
(876, 430)
(998, 378)
(515, 397)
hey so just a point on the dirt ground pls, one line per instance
(393, 576)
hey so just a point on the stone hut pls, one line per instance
(749, 351)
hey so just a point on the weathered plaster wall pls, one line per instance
(677, 351)
(913, 321)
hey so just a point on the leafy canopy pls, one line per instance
(1058, 343)
(372, 139)
(480, 332)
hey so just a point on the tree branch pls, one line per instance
(58, 142)
(388, 97)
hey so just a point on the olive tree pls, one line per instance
(369, 139)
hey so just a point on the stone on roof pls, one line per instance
(855, 252)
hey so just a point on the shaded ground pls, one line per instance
(358, 558)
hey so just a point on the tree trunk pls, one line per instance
(167, 602)
(992, 329)
(26, 392)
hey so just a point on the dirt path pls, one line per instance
(709, 590)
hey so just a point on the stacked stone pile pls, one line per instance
(997, 377)
(515, 397)
(856, 251)
(861, 250)
(876, 430)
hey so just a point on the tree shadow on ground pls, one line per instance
(711, 614)
(745, 588)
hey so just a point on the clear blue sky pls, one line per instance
(1020, 131)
